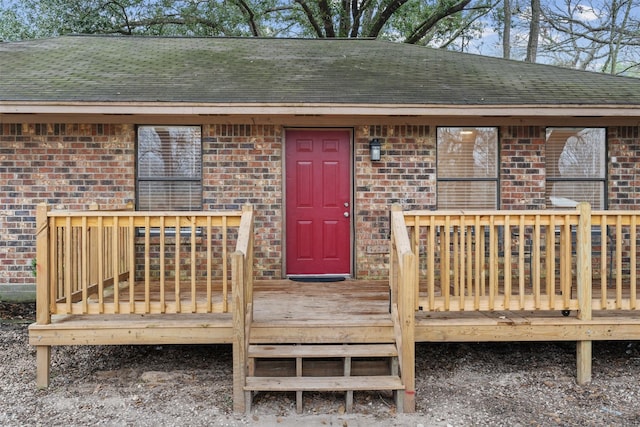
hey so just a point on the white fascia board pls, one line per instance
(265, 109)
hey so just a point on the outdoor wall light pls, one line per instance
(374, 150)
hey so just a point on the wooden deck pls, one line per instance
(125, 278)
(296, 323)
(351, 311)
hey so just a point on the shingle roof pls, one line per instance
(257, 70)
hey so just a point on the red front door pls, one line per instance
(318, 197)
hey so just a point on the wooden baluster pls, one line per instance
(479, 263)
(416, 251)
(431, 263)
(462, 264)
(565, 262)
(225, 278)
(522, 274)
(209, 270)
(455, 261)
(604, 298)
(445, 255)
(84, 263)
(100, 232)
(68, 264)
(131, 257)
(147, 264)
(536, 262)
(163, 265)
(618, 267)
(115, 256)
(633, 249)
(469, 262)
(176, 281)
(493, 263)
(551, 262)
(507, 262)
(194, 301)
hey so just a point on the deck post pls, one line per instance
(584, 278)
(408, 319)
(43, 313)
(239, 334)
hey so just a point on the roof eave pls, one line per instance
(333, 109)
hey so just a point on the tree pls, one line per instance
(602, 37)
(593, 35)
(506, 30)
(534, 31)
(411, 21)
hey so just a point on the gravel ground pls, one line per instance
(516, 384)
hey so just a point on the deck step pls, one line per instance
(322, 351)
(359, 383)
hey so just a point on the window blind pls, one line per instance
(467, 167)
(575, 167)
(169, 168)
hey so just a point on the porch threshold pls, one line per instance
(317, 279)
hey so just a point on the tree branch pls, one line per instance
(383, 17)
(355, 19)
(466, 25)
(248, 12)
(430, 22)
(312, 20)
(115, 5)
(164, 20)
(325, 14)
(345, 18)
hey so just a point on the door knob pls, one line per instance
(346, 204)
(346, 214)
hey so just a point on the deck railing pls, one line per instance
(524, 260)
(125, 262)
(402, 286)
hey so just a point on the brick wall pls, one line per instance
(73, 165)
(66, 165)
(405, 175)
(624, 167)
(243, 164)
(522, 167)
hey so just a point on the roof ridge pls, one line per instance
(142, 36)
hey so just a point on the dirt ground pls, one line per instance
(513, 384)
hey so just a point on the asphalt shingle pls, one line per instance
(287, 71)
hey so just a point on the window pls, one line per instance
(169, 168)
(576, 167)
(467, 168)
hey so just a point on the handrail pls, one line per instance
(110, 262)
(403, 291)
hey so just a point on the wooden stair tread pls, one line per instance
(322, 351)
(387, 382)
